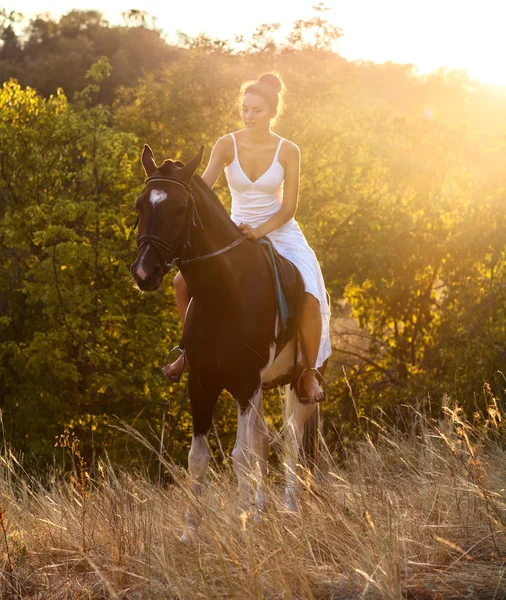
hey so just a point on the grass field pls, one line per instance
(404, 515)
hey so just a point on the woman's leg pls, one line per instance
(311, 330)
(182, 301)
(182, 296)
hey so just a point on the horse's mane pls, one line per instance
(210, 193)
(207, 193)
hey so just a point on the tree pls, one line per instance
(73, 329)
(58, 53)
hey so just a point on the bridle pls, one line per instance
(183, 241)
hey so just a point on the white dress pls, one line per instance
(253, 203)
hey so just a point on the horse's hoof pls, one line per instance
(189, 538)
(291, 503)
(259, 513)
(261, 504)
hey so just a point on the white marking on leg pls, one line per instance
(252, 445)
(261, 447)
(157, 196)
(198, 461)
(261, 440)
(293, 438)
(243, 453)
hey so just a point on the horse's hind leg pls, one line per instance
(243, 454)
(261, 448)
(202, 405)
(293, 439)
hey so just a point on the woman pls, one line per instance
(262, 171)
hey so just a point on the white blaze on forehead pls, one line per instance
(157, 196)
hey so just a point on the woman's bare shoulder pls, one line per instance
(224, 147)
(225, 141)
(223, 144)
(289, 153)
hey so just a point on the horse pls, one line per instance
(231, 325)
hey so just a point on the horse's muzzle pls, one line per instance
(147, 279)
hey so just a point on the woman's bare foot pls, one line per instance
(174, 370)
(314, 392)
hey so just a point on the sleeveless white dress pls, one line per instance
(253, 203)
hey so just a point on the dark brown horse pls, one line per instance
(232, 322)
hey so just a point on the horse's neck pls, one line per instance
(211, 231)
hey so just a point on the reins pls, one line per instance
(192, 213)
(212, 254)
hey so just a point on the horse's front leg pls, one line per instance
(198, 461)
(202, 405)
(243, 454)
(292, 443)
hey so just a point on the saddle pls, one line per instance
(289, 289)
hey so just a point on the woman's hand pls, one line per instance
(248, 231)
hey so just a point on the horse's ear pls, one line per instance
(148, 160)
(190, 168)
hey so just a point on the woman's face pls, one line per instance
(256, 113)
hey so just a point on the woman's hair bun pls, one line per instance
(272, 81)
(269, 86)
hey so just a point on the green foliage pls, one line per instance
(402, 197)
(51, 54)
(75, 330)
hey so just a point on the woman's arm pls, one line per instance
(290, 196)
(216, 162)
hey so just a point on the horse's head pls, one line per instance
(165, 210)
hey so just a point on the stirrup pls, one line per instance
(175, 378)
(320, 378)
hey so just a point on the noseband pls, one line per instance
(184, 239)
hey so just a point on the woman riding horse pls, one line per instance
(232, 322)
(264, 191)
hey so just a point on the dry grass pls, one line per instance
(418, 515)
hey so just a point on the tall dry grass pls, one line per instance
(405, 515)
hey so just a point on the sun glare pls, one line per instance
(431, 34)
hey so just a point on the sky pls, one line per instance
(461, 34)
